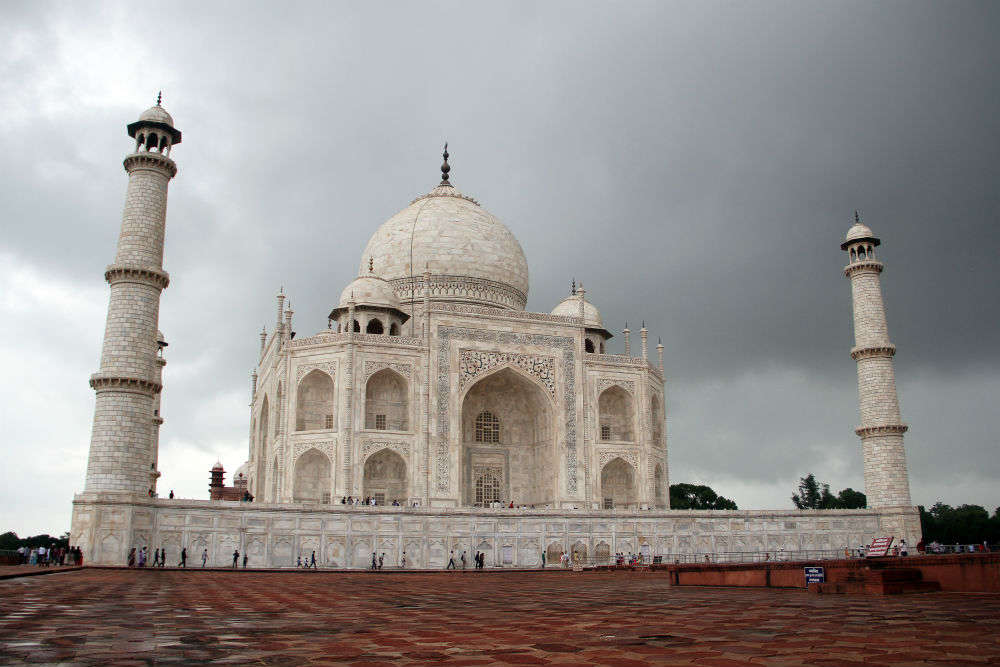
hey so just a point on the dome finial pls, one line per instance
(572, 287)
(159, 97)
(445, 167)
(371, 265)
(857, 218)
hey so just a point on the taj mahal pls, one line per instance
(471, 423)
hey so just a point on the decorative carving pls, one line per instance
(473, 363)
(504, 313)
(328, 368)
(328, 447)
(627, 385)
(460, 287)
(627, 455)
(372, 446)
(372, 367)
(886, 351)
(886, 429)
(565, 343)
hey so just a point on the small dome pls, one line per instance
(370, 290)
(217, 466)
(859, 231)
(570, 307)
(157, 114)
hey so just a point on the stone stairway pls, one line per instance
(879, 580)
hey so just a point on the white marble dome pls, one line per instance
(859, 231)
(472, 257)
(570, 307)
(157, 114)
(370, 290)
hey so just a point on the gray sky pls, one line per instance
(696, 165)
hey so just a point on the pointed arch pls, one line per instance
(616, 414)
(618, 484)
(387, 405)
(385, 477)
(508, 441)
(314, 402)
(659, 487)
(312, 477)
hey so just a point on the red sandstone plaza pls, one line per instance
(622, 619)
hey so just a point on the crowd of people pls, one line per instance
(48, 556)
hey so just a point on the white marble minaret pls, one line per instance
(886, 480)
(122, 445)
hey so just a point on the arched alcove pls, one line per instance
(312, 478)
(507, 441)
(263, 433)
(374, 326)
(314, 408)
(394, 329)
(386, 401)
(385, 477)
(658, 487)
(615, 414)
(656, 415)
(617, 484)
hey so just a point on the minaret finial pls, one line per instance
(445, 167)
(159, 97)
(572, 287)
(857, 218)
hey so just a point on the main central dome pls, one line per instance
(472, 257)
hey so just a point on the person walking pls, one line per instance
(463, 560)
(374, 561)
(312, 561)
(236, 557)
(902, 548)
(402, 562)
(184, 557)
(246, 557)
(543, 559)
(381, 559)
(451, 561)
(204, 557)
(163, 556)
(131, 557)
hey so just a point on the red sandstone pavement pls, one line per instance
(623, 619)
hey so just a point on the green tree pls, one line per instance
(9, 541)
(698, 497)
(849, 499)
(813, 495)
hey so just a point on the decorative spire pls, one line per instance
(857, 218)
(371, 265)
(572, 287)
(445, 167)
(159, 97)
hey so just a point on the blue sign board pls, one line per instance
(815, 575)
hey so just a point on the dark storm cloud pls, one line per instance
(695, 165)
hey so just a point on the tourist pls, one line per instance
(543, 559)
(156, 558)
(402, 561)
(131, 557)
(902, 548)
(184, 557)
(143, 556)
(374, 561)
(163, 556)
(381, 559)
(298, 562)
(246, 557)
(451, 561)
(312, 561)
(463, 560)
(343, 500)
(171, 494)
(236, 557)
(204, 557)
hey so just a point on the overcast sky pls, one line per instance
(695, 164)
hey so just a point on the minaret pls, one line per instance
(127, 382)
(628, 344)
(886, 481)
(644, 337)
(659, 352)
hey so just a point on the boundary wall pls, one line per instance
(107, 525)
